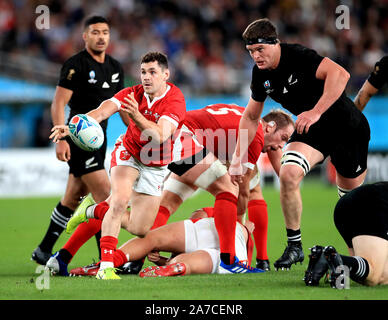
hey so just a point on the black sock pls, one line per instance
(358, 268)
(225, 258)
(294, 236)
(59, 218)
(98, 238)
(65, 256)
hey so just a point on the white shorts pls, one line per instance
(202, 235)
(150, 180)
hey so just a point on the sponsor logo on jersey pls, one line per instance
(105, 85)
(70, 74)
(92, 75)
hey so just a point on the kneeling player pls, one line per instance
(365, 235)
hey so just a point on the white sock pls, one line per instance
(106, 264)
(89, 212)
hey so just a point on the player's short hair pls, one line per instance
(280, 117)
(159, 57)
(93, 20)
(262, 28)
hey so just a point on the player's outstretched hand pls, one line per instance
(236, 171)
(59, 132)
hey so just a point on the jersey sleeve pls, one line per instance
(70, 75)
(175, 109)
(379, 75)
(308, 59)
(121, 82)
(119, 96)
(257, 86)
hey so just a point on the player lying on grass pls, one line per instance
(194, 242)
(365, 235)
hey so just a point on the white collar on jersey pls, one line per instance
(150, 103)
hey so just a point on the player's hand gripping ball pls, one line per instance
(86, 132)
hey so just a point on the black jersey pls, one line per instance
(91, 82)
(379, 75)
(294, 85)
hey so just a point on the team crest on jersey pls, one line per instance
(92, 75)
(267, 87)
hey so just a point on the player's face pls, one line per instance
(276, 139)
(265, 56)
(96, 37)
(153, 78)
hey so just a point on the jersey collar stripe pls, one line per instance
(149, 103)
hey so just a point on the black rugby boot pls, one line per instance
(132, 267)
(263, 265)
(291, 255)
(336, 268)
(317, 266)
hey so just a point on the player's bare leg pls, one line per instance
(345, 185)
(375, 251)
(296, 162)
(98, 184)
(197, 262)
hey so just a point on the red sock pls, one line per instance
(119, 258)
(161, 218)
(100, 210)
(258, 214)
(108, 246)
(225, 219)
(83, 233)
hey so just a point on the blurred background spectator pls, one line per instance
(201, 37)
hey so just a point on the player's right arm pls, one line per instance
(247, 131)
(61, 98)
(366, 92)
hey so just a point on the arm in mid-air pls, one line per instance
(366, 92)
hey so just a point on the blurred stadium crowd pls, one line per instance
(201, 37)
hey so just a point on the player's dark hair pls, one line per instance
(262, 28)
(280, 117)
(93, 20)
(156, 56)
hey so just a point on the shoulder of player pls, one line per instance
(75, 59)
(113, 61)
(383, 62)
(174, 92)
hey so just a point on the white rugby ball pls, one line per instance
(86, 132)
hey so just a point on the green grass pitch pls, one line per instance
(24, 221)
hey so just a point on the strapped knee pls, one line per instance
(297, 159)
(181, 189)
(211, 174)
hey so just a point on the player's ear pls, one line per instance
(166, 74)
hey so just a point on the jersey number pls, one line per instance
(224, 111)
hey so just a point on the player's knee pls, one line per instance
(290, 177)
(118, 207)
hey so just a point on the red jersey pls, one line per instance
(216, 127)
(170, 106)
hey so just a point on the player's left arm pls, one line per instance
(335, 79)
(243, 192)
(275, 157)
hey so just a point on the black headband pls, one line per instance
(269, 40)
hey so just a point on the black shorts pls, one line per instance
(182, 166)
(345, 142)
(82, 162)
(363, 211)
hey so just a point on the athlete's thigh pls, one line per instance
(373, 249)
(75, 189)
(312, 155)
(193, 173)
(170, 237)
(122, 180)
(144, 208)
(98, 184)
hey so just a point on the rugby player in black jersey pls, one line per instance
(328, 124)
(376, 80)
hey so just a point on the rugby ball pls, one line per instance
(86, 132)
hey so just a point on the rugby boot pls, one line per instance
(291, 255)
(237, 267)
(336, 268)
(57, 266)
(317, 266)
(89, 270)
(132, 267)
(107, 274)
(40, 256)
(170, 270)
(263, 265)
(79, 214)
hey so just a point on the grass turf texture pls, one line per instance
(24, 221)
